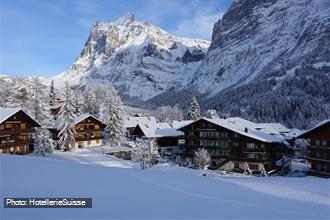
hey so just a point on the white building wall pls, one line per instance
(84, 144)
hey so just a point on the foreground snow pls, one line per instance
(121, 190)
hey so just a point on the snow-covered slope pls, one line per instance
(257, 37)
(120, 190)
(137, 58)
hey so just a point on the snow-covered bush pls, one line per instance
(202, 158)
(146, 153)
(43, 142)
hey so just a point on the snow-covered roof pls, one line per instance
(159, 130)
(131, 121)
(6, 113)
(58, 122)
(275, 127)
(57, 105)
(180, 124)
(324, 122)
(83, 117)
(240, 126)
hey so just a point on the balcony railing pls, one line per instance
(17, 131)
(15, 143)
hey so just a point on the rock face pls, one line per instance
(256, 37)
(269, 60)
(137, 58)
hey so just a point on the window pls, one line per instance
(89, 142)
(8, 126)
(97, 141)
(317, 142)
(318, 167)
(236, 135)
(324, 143)
(251, 146)
(318, 154)
(23, 126)
(1, 127)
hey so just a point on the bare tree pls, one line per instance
(146, 153)
(202, 159)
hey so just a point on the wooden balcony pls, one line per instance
(15, 143)
(16, 131)
(88, 138)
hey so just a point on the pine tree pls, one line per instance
(113, 117)
(194, 110)
(37, 108)
(66, 119)
(212, 114)
(52, 94)
(89, 105)
(76, 102)
(43, 142)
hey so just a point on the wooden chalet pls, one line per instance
(232, 143)
(163, 134)
(130, 122)
(89, 131)
(319, 148)
(17, 130)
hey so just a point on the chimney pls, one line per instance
(246, 130)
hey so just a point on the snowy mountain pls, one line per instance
(137, 58)
(269, 60)
(256, 38)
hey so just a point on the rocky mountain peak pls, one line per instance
(126, 19)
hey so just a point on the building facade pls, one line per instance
(232, 146)
(17, 131)
(163, 134)
(89, 131)
(319, 148)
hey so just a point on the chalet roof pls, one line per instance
(159, 130)
(320, 124)
(274, 127)
(58, 122)
(180, 124)
(133, 121)
(83, 117)
(246, 128)
(6, 113)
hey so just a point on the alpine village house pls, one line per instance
(88, 131)
(319, 148)
(233, 143)
(17, 131)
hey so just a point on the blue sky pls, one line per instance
(44, 37)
